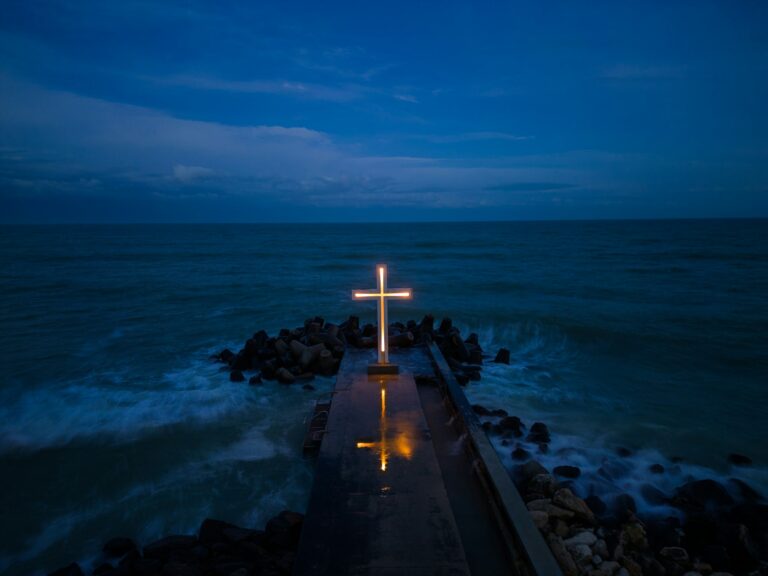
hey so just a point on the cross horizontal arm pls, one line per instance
(402, 293)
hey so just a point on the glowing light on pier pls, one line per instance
(401, 444)
(382, 296)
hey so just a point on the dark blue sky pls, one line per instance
(241, 111)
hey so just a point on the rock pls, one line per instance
(215, 531)
(538, 433)
(529, 470)
(632, 567)
(581, 554)
(104, 568)
(567, 471)
(656, 469)
(539, 504)
(583, 537)
(502, 356)
(540, 518)
(663, 532)
(601, 548)
(653, 495)
(520, 453)
(633, 537)
(166, 546)
(543, 484)
(562, 556)
(236, 376)
(117, 547)
(566, 499)
(608, 568)
(254, 380)
(226, 355)
(596, 504)
(285, 376)
(739, 459)
(624, 507)
(702, 495)
(674, 553)
(284, 529)
(70, 570)
(744, 491)
(176, 568)
(623, 452)
(480, 410)
(510, 424)
(308, 387)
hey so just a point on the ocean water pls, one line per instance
(113, 420)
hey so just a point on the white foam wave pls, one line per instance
(114, 407)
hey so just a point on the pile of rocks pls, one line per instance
(219, 549)
(317, 348)
(714, 532)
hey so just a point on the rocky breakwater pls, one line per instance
(218, 549)
(700, 527)
(316, 348)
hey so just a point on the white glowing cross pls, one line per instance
(382, 296)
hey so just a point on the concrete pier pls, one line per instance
(399, 488)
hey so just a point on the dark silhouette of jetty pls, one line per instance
(407, 482)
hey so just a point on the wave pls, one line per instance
(109, 406)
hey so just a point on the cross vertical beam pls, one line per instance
(382, 295)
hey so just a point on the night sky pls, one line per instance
(247, 112)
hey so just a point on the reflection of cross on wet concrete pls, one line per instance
(382, 296)
(400, 444)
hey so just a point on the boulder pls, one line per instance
(566, 499)
(254, 380)
(226, 355)
(653, 495)
(744, 491)
(213, 531)
(480, 410)
(285, 376)
(510, 425)
(624, 507)
(117, 547)
(445, 326)
(739, 459)
(583, 537)
(520, 453)
(562, 556)
(538, 433)
(502, 356)
(70, 570)
(596, 504)
(674, 553)
(540, 518)
(656, 469)
(633, 537)
(284, 529)
(164, 547)
(236, 376)
(702, 495)
(529, 470)
(543, 484)
(571, 472)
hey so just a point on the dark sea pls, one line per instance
(650, 335)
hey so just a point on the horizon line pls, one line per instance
(368, 222)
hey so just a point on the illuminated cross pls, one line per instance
(381, 295)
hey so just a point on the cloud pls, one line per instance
(474, 137)
(529, 186)
(58, 143)
(406, 98)
(188, 174)
(262, 86)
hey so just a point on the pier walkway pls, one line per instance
(407, 483)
